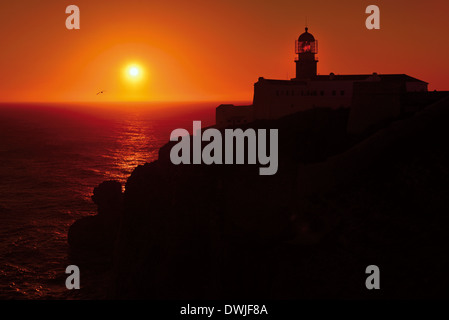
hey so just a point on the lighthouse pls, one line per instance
(306, 47)
(276, 98)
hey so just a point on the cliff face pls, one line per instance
(212, 231)
(335, 206)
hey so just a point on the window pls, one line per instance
(322, 93)
(342, 92)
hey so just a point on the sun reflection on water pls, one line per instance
(136, 144)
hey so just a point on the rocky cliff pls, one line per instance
(338, 203)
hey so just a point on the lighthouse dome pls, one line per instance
(306, 36)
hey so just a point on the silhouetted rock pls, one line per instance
(338, 203)
(109, 199)
(96, 234)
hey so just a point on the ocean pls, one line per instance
(51, 158)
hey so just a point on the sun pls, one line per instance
(134, 73)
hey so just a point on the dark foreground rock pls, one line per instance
(95, 235)
(337, 204)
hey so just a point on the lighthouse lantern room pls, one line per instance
(306, 47)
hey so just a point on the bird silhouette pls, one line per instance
(100, 92)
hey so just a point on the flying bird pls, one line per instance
(100, 92)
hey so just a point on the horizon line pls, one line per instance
(129, 102)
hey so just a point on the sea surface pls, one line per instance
(51, 158)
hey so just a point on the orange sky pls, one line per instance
(207, 49)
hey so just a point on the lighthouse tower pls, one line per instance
(306, 47)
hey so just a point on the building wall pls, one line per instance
(375, 103)
(276, 99)
(230, 115)
(416, 87)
